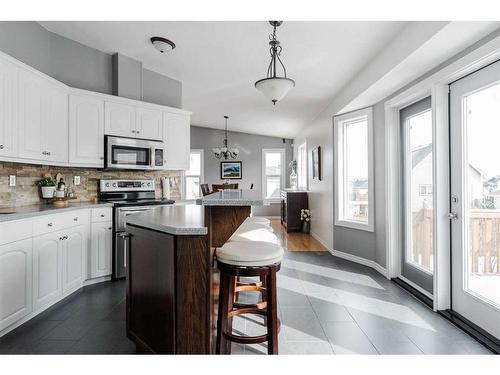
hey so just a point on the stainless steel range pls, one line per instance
(128, 197)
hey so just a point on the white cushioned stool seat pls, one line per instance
(245, 227)
(258, 220)
(249, 253)
(258, 234)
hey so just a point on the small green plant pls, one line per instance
(46, 181)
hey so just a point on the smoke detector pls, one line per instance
(162, 44)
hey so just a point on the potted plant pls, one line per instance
(305, 217)
(48, 185)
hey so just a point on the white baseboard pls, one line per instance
(320, 240)
(365, 262)
(96, 280)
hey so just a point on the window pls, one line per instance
(425, 189)
(273, 173)
(302, 166)
(354, 170)
(193, 177)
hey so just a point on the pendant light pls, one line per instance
(224, 151)
(275, 87)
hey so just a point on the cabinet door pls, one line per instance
(149, 124)
(15, 281)
(119, 119)
(74, 254)
(86, 131)
(47, 267)
(100, 249)
(177, 140)
(43, 119)
(8, 109)
(55, 123)
(30, 116)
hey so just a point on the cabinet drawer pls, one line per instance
(102, 214)
(51, 223)
(15, 230)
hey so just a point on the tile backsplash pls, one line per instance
(26, 192)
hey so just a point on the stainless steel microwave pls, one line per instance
(131, 153)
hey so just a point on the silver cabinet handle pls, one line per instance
(102, 215)
(137, 131)
(125, 251)
(109, 228)
(101, 158)
(50, 224)
(133, 131)
(1, 147)
(75, 219)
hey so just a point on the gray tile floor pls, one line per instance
(326, 306)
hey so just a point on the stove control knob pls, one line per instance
(142, 184)
(107, 184)
(149, 183)
(114, 184)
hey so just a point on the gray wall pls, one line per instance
(77, 65)
(250, 147)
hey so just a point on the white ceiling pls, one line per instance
(218, 63)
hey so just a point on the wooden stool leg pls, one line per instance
(272, 312)
(225, 279)
(230, 302)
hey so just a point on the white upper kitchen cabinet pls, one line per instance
(47, 268)
(149, 124)
(86, 130)
(119, 119)
(43, 118)
(15, 281)
(177, 140)
(8, 108)
(74, 257)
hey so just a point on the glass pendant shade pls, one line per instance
(275, 88)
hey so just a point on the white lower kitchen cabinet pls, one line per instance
(47, 268)
(100, 249)
(74, 251)
(15, 281)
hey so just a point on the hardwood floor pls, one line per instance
(296, 241)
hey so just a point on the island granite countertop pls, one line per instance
(234, 198)
(185, 219)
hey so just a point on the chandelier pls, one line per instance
(273, 86)
(224, 152)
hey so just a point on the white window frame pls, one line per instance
(202, 175)
(339, 124)
(264, 176)
(304, 186)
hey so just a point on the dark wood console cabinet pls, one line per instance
(291, 204)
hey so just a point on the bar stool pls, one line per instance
(248, 259)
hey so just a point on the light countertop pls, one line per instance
(185, 219)
(234, 198)
(25, 212)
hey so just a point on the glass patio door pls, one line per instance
(417, 257)
(475, 200)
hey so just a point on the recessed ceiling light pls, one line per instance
(162, 44)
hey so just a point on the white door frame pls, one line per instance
(435, 85)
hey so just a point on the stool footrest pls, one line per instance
(259, 305)
(245, 339)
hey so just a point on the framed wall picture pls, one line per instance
(230, 170)
(316, 163)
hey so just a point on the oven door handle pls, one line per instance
(136, 209)
(125, 236)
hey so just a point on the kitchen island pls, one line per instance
(172, 285)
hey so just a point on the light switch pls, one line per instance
(12, 180)
(76, 180)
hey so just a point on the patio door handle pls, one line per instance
(453, 216)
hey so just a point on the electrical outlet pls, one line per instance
(76, 180)
(12, 180)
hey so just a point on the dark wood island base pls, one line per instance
(172, 282)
